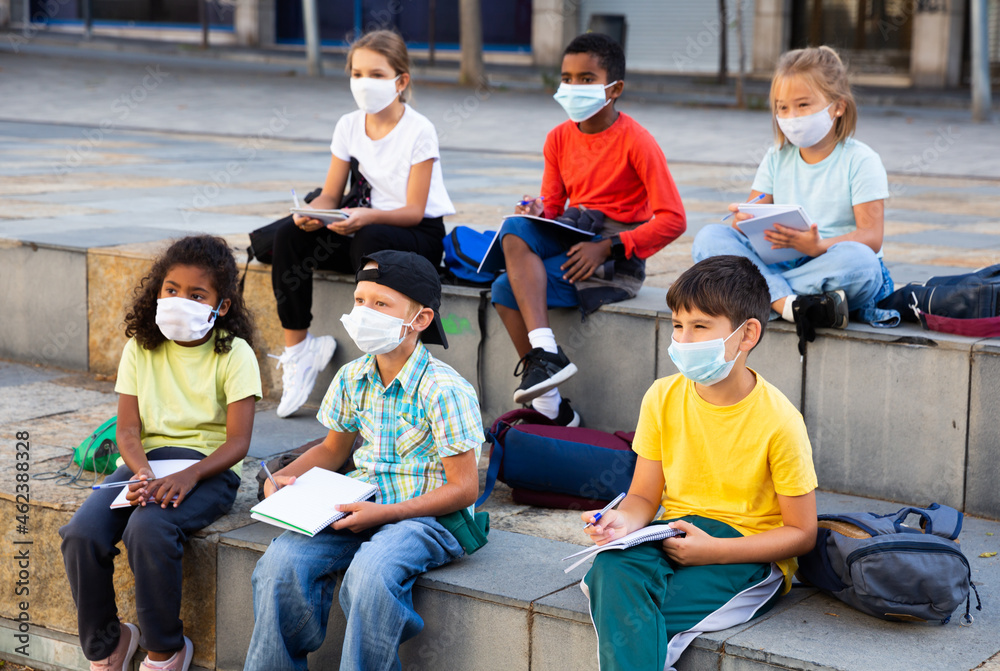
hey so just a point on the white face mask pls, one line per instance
(806, 131)
(373, 95)
(184, 320)
(703, 362)
(582, 101)
(374, 332)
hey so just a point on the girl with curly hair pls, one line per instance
(187, 384)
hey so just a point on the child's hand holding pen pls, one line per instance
(274, 482)
(138, 493)
(530, 205)
(606, 524)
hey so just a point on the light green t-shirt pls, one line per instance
(828, 191)
(184, 392)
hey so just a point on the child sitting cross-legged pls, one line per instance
(728, 458)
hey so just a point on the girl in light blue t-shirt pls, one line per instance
(839, 182)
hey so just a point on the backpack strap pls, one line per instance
(943, 521)
(495, 436)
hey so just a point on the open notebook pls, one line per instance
(493, 260)
(308, 505)
(326, 216)
(653, 532)
(161, 469)
(765, 216)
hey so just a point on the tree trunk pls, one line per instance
(471, 38)
(741, 102)
(723, 41)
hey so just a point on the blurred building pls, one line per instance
(922, 43)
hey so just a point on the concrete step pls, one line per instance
(511, 607)
(900, 414)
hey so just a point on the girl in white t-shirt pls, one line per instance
(397, 151)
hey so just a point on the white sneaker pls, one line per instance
(299, 371)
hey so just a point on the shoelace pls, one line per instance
(525, 364)
(283, 361)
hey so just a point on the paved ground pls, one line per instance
(103, 152)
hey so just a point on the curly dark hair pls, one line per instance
(610, 54)
(213, 255)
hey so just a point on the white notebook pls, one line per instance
(653, 532)
(765, 216)
(309, 504)
(326, 216)
(161, 469)
(493, 260)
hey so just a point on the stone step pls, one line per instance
(900, 414)
(510, 607)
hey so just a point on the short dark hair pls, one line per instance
(723, 286)
(610, 54)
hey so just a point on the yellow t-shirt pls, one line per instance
(727, 463)
(184, 392)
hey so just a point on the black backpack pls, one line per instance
(962, 304)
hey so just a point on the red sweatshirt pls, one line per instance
(621, 172)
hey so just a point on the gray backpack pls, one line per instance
(882, 567)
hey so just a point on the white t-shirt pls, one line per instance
(386, 163)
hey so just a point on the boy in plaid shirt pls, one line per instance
(422, 434)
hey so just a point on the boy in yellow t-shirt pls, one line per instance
(728, 458)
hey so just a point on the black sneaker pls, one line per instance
(567, 415)
(541, 371)
(813, 311)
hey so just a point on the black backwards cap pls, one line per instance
(413, 276)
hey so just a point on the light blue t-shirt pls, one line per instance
(852, 174)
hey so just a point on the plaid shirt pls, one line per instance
(427, 412)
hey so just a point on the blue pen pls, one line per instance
(522, 203)
(749, 202)
(295, 199)
(598, 516)
(108, 485)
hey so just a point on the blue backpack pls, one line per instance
(464, 249)
(895, 572)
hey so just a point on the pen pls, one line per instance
(108, 485)
(267, 471)
(295, 199)
(749, 202)
(597, 517)
(522, 203)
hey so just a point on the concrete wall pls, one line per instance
(43, 305)
(553, 24)
(771, 30)
(936, 52)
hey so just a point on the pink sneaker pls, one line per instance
(122, 656)
(179, 662)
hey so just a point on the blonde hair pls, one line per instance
(823, 70)
(390, 45)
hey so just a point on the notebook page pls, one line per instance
(161, 469)
(309, 505)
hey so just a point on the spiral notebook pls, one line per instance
(309, 504)
(765, 216)
(653, 532)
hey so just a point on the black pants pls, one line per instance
(154, 538)
(298, 253)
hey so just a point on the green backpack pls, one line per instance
(99, 451)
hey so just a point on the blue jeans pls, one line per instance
(294, 582)
(850, 266)
(551, 248)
